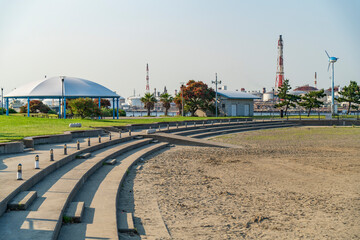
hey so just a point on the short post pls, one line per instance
(186, 125)
(194, 124)
(177, 125)
(78, 145)
(109, 136)
(168, 127)
(51, 154)
(129, 132)
(65, 149)
(99, 138)
(37, 162)
(203, 123)
(119, 134)
(220, 121)
(88, 141)
(19, 172)
(238, 120)
(229, 120)
(212, 123)
(159, 127)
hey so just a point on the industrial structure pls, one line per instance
(280, 64)
(147, 79)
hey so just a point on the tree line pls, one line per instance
(349, 94)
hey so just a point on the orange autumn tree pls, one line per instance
(197, 95)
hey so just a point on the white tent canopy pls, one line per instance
(52, 88)
(63, 88)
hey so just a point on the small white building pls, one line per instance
(235, 103)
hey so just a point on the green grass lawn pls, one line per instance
(14, 128)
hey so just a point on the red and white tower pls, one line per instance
(280, 65)
(147, 79)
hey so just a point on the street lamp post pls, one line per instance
(62, 97)
(182, 99)
(216, 99)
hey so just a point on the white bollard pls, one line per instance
(51, 155)
(88, 141)
(78, 145)
(19, 172)
(37, 162)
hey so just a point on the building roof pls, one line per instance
(236, 95)
(52, 88)
(306, 88)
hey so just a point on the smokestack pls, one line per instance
(264, 90)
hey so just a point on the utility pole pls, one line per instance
(216, 89)
(182, 99)
(2, 101)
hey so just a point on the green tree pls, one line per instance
(197, 95)
(84, 107)
(35, 106)
(351, 95)
(311, 100)
(149, 101)
(286, 99)
(166, 100)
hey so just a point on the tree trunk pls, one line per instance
(309, 112)
(166, 111)
(349, 108)
(148, 111)
(286, 108)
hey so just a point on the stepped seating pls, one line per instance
(46, 220)
(241, 129)
(31, 177)
(220, 127)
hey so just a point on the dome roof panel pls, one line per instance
(73, 87)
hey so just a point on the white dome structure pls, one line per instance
(62, 87)
(52, 88)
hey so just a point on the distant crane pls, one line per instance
(332, 60)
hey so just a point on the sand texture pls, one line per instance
(284, 184)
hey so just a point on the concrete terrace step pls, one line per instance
(126, 222)
(46, 220)
(22, 200)
(10, 188)
(188, 141)
(84, 155)
(74, 212)
(234, 130)
(100, 194)
(221, 127)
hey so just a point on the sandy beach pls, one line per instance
(282, 184)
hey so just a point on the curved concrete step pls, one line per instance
(223, 127)
(9, 187)
(234, 130)
(45, 220)
(100, 195)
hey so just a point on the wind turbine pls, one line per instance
(332, 60)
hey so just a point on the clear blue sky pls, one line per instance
(110, 42)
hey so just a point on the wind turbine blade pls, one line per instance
(327, 54)
(329, 66)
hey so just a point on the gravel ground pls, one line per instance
(284, 184)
